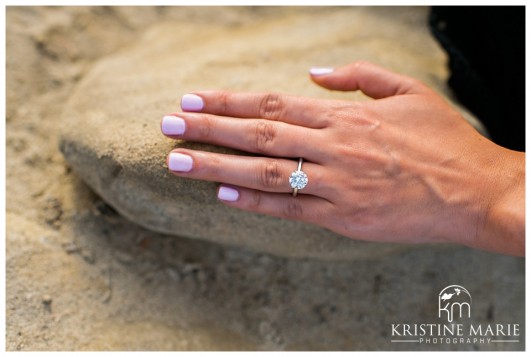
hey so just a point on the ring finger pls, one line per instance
(259, 173)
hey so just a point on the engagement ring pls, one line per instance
(298, 179)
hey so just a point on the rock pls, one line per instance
(110, 127)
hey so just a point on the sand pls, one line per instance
(80, 277)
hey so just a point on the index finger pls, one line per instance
(308, 112)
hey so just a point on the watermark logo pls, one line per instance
(455, 325)
(454, 299)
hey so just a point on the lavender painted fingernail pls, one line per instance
(172, 125)
(192, 103)
(320, 71)
(229, 194)
(180, 162)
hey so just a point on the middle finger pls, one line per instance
(259, 136)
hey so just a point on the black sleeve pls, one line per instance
(486, 50)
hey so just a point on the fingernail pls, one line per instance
(173, 125)
(192, 102)
(320, 71)
(179, 162)
(229, 194)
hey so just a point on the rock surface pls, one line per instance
(111, 134)
(116, 286)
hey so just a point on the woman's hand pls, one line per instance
(405, 167)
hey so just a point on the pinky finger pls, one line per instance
(305, 208)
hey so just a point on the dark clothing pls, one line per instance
(486, 49)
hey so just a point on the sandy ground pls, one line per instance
(80, 277)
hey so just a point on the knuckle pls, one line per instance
(340, 111)
(205, 129)
(264, 136)
(293, 209)
(271, 106)
(255, 201)
(357, 116)
(271, 175)
(360, 63)
(208, 165)
(223, 100)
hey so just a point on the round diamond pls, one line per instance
(298, 180)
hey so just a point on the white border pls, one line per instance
(239, 3)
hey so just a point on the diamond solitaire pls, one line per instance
(298, 180)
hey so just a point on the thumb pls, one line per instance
(374, 81)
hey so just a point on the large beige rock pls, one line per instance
(111, 134)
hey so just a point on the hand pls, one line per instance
(405, 167)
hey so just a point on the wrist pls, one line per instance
(485, 208)
(502, 224)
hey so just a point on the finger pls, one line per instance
(305, 208)
(272, 106)
(372, 80)
(259, 173)
(253, 135)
